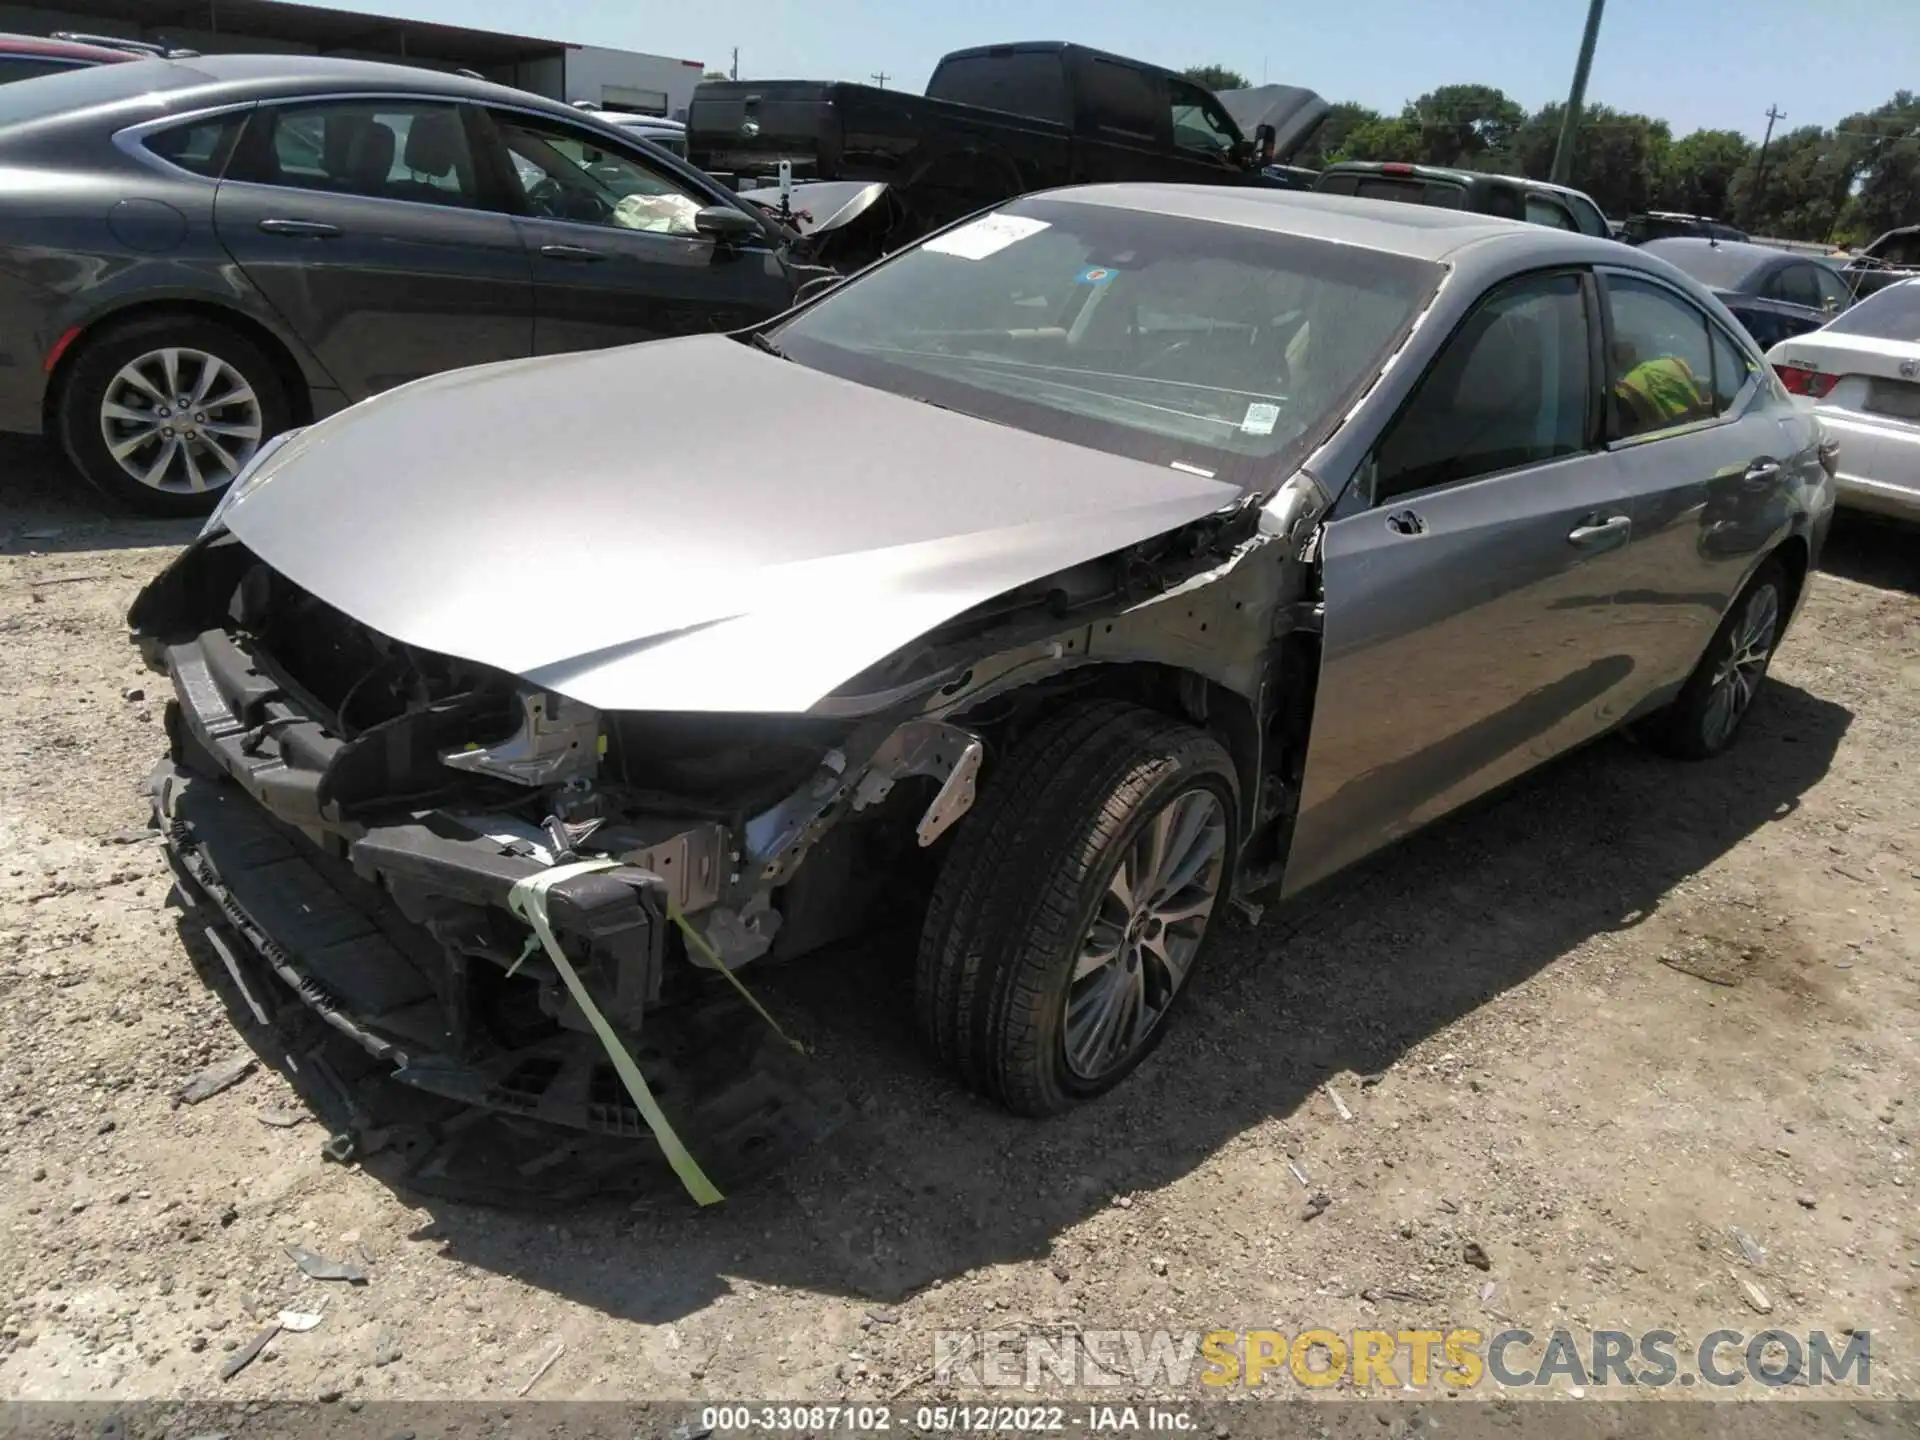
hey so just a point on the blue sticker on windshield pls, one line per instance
(1095, 275)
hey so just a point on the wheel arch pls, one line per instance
(1796, 561)
(1172, 690)
(292, 375)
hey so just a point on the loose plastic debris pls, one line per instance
(215, 1078)
(319, 1267)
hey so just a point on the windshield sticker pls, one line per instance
(1094, 275)
(988, 235)
(1260, 418)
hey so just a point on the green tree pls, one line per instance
(1617, 156)
(1801, 189)
(1698, 172)
(1216, 77)
(1885, 144)
(1467, 125)
(716, 75)
(1381, 138)
(1329, 141)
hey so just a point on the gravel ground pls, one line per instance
(1587, 1028)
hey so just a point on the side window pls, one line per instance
(1199, 123)
(1542, 211)
(202, 147)
(1732, 368)
(1513, 387)
(383, 149)
(1588, 217)
(1797, 285)
(1122, 98)
(1661, 366)
(1834, 296)
(567, 175)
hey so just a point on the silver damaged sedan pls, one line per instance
(1093, 564)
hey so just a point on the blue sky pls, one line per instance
(1713, 63)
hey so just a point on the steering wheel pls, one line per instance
(544, 194)
(1165, 353)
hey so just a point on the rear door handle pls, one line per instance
(298, 229)
(1762, 471)
(1595, 533)
(1406, 522)
(577, 253)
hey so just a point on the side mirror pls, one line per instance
(724, 224)
(814, 288)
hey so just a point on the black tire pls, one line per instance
(1693, 726)
(78, 421)
(1019, 891)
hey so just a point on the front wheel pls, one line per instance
(1075, 905)
(1706, 715)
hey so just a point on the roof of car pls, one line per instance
(1420, 231)
(1695, 244)
(62, 49)
(242, 77)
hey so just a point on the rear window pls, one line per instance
(1712, 265)
(1893, 314)
(1028, 82)
(1407, 189)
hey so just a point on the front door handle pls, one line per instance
(1763, 471)
(579, 254)
(1597, 533)
(300, 229)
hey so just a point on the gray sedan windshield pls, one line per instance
(1215, 347)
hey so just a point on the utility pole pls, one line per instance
(1774, 113)
(1576, 97)
(733, 72)
(879, 77)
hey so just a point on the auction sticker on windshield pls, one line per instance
(988, 235)
(1260, 418)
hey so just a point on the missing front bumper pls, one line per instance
(291, 918)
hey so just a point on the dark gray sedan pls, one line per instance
(196, 254)
(1131, 549)
(1776, 294)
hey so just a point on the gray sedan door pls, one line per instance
(1705, 459)
(615, 256)
(1469, 602)
(360, 221)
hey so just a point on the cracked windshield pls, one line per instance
(1211, 347)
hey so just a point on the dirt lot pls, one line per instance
(1588, 1028)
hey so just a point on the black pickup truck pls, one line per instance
(995, 122)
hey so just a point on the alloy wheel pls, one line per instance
(181, 421)
(1146, 928)
(1737, 678)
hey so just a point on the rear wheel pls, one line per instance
(1706, 716)
(162, 413)
(1075, 905)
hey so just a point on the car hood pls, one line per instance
(684, 525)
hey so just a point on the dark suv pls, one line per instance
(1511, 196)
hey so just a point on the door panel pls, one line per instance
(1460, 656)
(615, 255)
(1708, 479)
(1468, 630)
(358, 222)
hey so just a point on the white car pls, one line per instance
(667, 134)
(1862, 372)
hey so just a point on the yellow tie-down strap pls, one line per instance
(528, 900)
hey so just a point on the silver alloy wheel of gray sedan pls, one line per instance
(1737, 679)
(1146, 928)
(180, 420)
